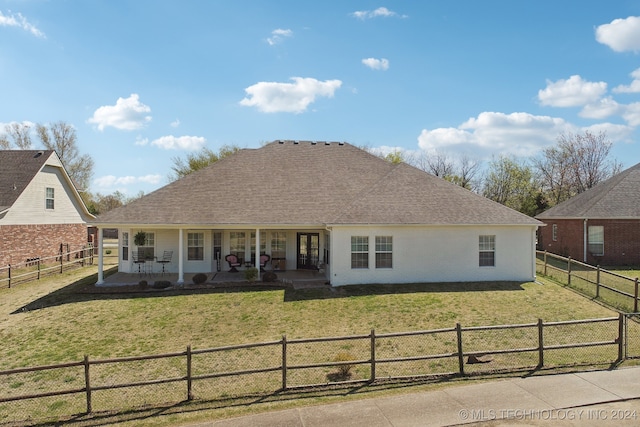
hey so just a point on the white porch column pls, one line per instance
(100, 258)
(180, 257)
(257, 249)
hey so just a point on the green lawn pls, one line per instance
(50, 321)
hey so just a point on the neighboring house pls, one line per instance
(600, 226)
(40, 208)
(357, 218)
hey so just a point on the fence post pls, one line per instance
(635, 296)
(284, 362)
(373, 355)
(621, 336)
(545, 263)
(598, 281)
(460, 355)
(61, 259)
(569, 271)
(38, 268)
(87, 383)
(189, 380)
(540, 344)
(9, 277)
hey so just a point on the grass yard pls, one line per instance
(61, 319)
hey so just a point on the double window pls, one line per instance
(237, 244)
(195, 246)
(384, 251)
(487, 247)
(359, 252)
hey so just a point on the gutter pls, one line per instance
(584, 241)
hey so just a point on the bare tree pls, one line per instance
(436, 163)
(18, 135)
(467, 173)
(62, 138)
(578, 163)
(512, 184)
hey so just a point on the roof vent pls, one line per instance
(314, 142)
(327, 143)
(340, 143)
(38, 154)
(280, 141)
(295, 142)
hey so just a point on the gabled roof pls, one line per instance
(19, 167)
(309, 183)
(618, 197)
(17, 170)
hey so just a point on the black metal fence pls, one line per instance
(55, 392)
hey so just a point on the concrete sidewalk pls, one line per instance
(579, 399)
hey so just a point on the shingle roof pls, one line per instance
(617, 197)
(294, 183)
(17, 170)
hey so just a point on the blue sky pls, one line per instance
(148, 80)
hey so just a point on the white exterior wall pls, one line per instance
(435, 254)
(30, 208)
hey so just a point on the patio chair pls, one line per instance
(264, 259)
(233, 262)
(140, 260)
(166, 259)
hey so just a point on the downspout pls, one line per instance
(584, 241)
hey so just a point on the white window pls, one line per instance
(148, 250)
(359, 252)
(384, 251)
(237, 244)
(596, 240)
(195, 246)
(125, 245)
(554, 232)
(49, 198)
(487, 246)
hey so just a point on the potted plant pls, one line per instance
(140, 238)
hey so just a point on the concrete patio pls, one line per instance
(296, 278)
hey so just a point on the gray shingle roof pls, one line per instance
(617, 197)
(17, 170)
(305, 183)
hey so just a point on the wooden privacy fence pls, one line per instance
(409, 353)
(36, 267)
(610, 287)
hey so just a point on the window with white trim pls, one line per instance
(359, 252)
(487, 251)
(554, 232)
(125, 245)
(195, 246)
(384, 251)
(148, 250)
(596, 240)
(237, 244)
(49, 198)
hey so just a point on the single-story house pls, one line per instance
(600, 226)
(329, 206)
(40, 208)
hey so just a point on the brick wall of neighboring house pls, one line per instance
(21, 242)
(621, 240)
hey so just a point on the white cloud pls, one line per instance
(520, 134)
(278, 35)
(376, 64)
(632, 114)
(17, 20)
(621, 34)
(175, 123)
(127, 114)
(571, 93)
(615, 132)
(273, 97)
(379, 12)
(111, 181)
(171, 142)
(634, 87)
(601, 109)
(141, 141)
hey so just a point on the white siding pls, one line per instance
(30, 208)
(436, 254)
